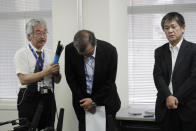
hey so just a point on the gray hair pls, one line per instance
(34, 22)
(92, 38)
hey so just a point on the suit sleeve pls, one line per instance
(189, 85)
(107, 93)
(160, 83)
(70, 77)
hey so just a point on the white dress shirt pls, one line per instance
(174, 53)
(89, 67)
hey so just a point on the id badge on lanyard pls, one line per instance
(40, 84)
(36, 57)
(41, 87)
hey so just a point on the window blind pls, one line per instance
(13, 16)
(145, 35)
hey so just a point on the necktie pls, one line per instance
(37, 66)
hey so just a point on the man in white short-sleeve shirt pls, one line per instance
(25, 63)
(37, 75)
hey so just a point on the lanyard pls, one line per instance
(35, 55)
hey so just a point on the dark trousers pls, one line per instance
(111, 124)
(28, 101)
(172, 122)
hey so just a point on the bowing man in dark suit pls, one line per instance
(90, 69)
(175, 77)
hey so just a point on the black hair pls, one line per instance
(173, 16)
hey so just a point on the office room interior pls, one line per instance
(132, 26)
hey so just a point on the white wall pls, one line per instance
(108, 20)
(64, 28)
(96, 18)
(119, 37)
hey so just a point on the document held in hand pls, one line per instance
(97, 121)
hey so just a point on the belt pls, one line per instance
(42, 91)
(23, 87)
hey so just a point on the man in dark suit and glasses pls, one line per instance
(90, 69)
(175, 77)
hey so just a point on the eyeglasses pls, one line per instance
(40, 33)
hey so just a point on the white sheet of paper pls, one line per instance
(97, 121)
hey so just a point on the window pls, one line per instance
(145, 35)
(13, 16)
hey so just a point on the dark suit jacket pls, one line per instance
(183, 80)
(104, 91)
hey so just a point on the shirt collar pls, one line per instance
(94, 53)
(35, 49)
(178, 45)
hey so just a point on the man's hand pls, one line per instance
(172, 102)
(26, 79)
(52, 69)
(86, 103)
